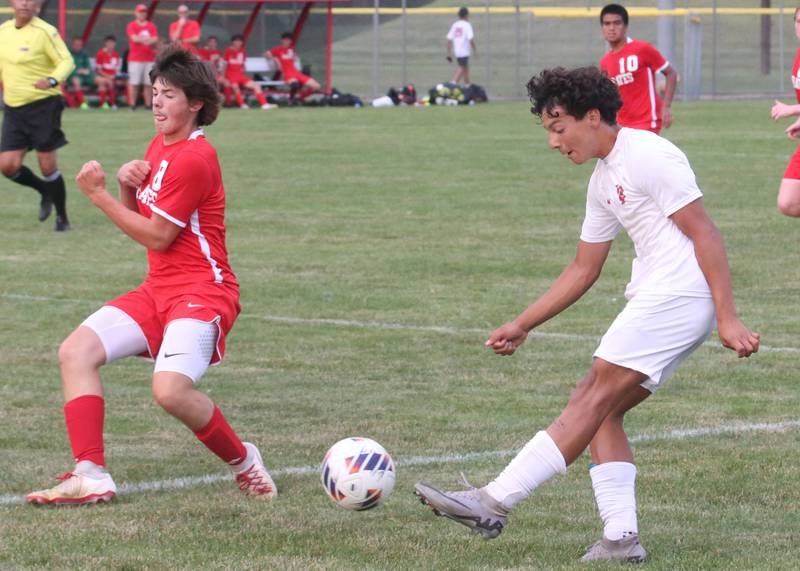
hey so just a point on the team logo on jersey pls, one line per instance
(621, 194)
(149, 194)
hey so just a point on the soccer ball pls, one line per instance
(358, 474)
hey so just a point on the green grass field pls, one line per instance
(402, 222)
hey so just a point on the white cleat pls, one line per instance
(243, 106)
(628, 549)
(77, 489)
(252, 476)
(268, 106)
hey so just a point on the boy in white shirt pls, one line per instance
(461, 43)
(680, 284)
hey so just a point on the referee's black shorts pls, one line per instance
(36, 126)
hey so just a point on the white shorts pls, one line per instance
(655, 334)
(139, 72)
(187, 348)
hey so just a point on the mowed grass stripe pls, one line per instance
(678, 434)
(446, 329)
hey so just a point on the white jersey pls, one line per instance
(461, 35)
(642, 181)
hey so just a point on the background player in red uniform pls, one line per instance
(108, 64)
(235, 79)
(172, 203)
(185, 32)
(284, 54)
(789, 191)
(142, 39)
(633, 65)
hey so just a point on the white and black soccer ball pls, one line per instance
(358, 474)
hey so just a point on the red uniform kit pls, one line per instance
(793, 168)
(137, 51)
(234, 66)
(634, 69)
(192, 278)
(108, 64)
(285, 57)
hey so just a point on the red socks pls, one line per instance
(84, 416)
(261, 99)
(219, 437)
(102, 95)
(228, 92)
(239, 99)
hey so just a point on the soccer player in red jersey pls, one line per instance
(632, 65)
(235, 79)
(284, 54)
(183, 31)
(789, 191)
(108, 64)
(173, 204)
(142, 39)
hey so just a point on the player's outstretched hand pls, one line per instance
(133, 174)
(505, 340)
(91, 180)
(735, 336)
(780, 110)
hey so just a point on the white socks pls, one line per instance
(614, 490)
(90, 469)
(536, 463)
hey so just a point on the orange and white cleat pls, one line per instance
(252, 476)
(76, 489)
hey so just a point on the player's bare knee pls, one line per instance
(789, 206)
(10, 164)
(78, 350)
(169, 396)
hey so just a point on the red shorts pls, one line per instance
(793, 168)
(153, 307)
(300, 78)
(239, 79)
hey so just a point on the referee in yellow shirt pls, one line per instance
(33, 62)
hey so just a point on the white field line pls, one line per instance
(444, 329)
(411, 461)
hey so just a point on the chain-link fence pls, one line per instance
(728, 48)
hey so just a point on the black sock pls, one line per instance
(58, 192)
(25, 176)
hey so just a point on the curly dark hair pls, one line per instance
(577, 90)
(179, 67)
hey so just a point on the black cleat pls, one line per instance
(45, 207)
(62, 224)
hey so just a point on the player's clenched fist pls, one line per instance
(133, 174)
(91, 179)
(505, 339)
(735, 336)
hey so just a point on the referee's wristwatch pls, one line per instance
(53, 81)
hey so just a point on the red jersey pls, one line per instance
(108, 64)
(141, 52)
(190, 30)
(234, 62)
(206, 54)
(634, 69)
(185, 187)
(796, 75)
(285, 57)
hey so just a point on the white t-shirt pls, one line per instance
(461, 35)
(642, 181)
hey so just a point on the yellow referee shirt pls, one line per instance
(30, 53)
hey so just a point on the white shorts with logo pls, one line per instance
(655, 334)
(139, 72)
(187, 348)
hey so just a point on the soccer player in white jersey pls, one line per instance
(680, 282)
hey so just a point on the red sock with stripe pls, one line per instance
(219, 437)
(84, 416)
